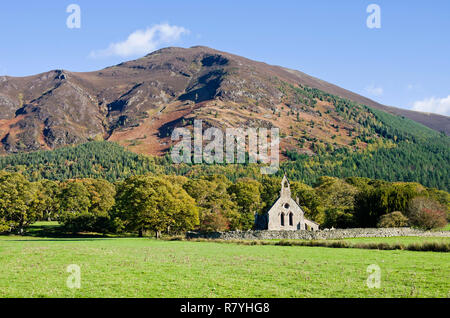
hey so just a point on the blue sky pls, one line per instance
(405, 63)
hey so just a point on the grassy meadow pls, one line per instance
(33, 266)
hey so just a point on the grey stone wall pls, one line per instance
(317, 235)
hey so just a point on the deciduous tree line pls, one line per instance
(174, 204)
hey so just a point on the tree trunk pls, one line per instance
(21, 226)
(140, 233)
(158, 234)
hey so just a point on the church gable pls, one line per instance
(285, 214)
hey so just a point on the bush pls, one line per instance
(394, 219)
(213, 222)
(426, 213)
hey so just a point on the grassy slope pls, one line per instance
(133, 267)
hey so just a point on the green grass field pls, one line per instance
(142, 267)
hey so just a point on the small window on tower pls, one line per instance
(286, 205)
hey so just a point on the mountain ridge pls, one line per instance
(137, 103)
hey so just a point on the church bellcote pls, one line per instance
(285, 188)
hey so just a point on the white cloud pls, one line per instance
(433, 105)
(374, 90)
(142, 42)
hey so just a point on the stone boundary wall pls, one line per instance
(317, 235)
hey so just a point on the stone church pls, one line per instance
(285, 215)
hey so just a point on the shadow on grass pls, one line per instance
(49, 230)
(40, 239)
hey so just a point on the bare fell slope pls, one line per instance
(138, 103)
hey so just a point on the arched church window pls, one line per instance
(291, 219)
(282, 219)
